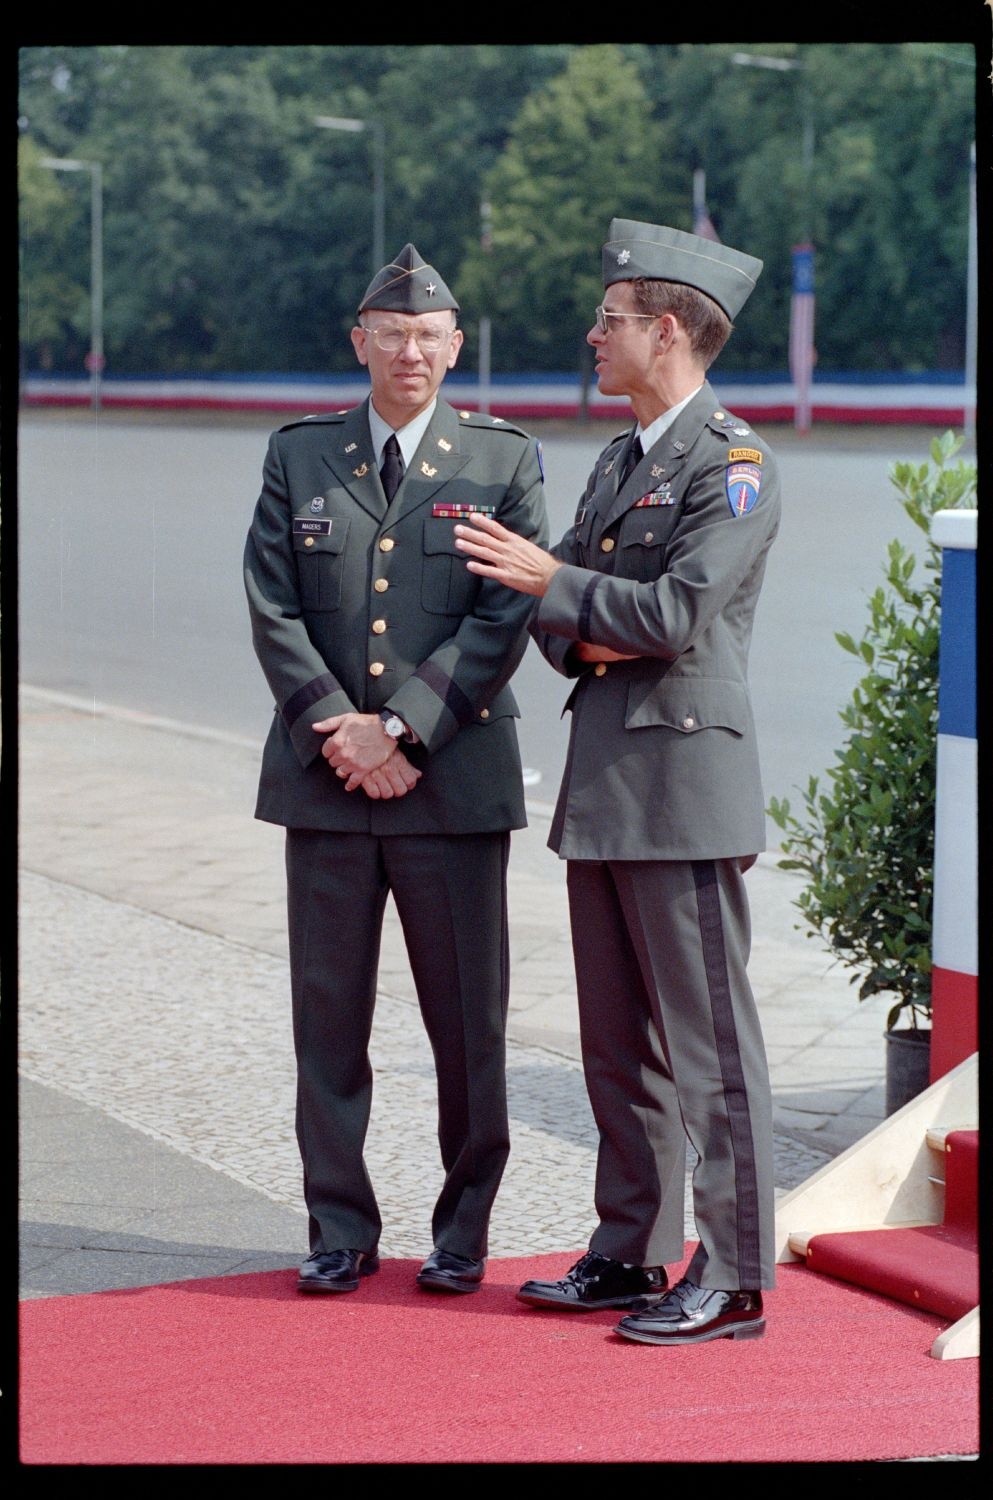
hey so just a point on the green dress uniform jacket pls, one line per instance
(660, 798)
(663, 761)
(358, 606)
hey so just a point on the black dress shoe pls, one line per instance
(595, 1281)
(445, 1272)
(336, 1270)
(691, 1314)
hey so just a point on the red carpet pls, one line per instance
(243, 1370)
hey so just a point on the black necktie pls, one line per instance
(635, 454)
(392, 471)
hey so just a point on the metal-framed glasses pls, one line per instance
(602, 315)
(392, 339)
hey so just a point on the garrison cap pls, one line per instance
(407, 285)
(659, 253)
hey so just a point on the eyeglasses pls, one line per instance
(602, 316)
(392, 339)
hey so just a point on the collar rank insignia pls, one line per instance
(361, 471)
(457, 510)
(317, 504)
(445, 444)
(427, 470)
(742, 482)
(350, 447)
(679, 446)
(661, 496)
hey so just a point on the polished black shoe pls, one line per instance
(336, 1270)
(691, 1314)
(595, 1281)
(445, 1272)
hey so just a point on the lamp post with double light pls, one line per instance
(94, 359)
(375, 129)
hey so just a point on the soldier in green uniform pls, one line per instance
(392, 760)
(648, 603)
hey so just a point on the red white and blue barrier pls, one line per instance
(939, 398)
(954, 980)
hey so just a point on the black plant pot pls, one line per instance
(908, 1066)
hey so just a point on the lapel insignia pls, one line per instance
(350, 447)
(679, 446)
(361, 471)
(427, 470)
(317, 504)
(657, 471)
(444, 443)
(742, 483)
(607, 467)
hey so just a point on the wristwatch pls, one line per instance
(393, 724)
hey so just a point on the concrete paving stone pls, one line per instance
(825, 1101)
(44, 1226)
(91, 1270)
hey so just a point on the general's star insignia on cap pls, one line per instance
(623, 256)
(361, 471)
(444, 443)
(427, 469)
(350, 447)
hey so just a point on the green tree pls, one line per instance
(582, 150)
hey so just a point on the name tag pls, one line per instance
(303, 527)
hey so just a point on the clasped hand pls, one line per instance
(362, 754)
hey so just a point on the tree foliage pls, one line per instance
(866, 845)
(238, 234)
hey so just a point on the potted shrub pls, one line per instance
(866, 841)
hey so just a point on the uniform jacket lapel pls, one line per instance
(352, 462)
(664, 460)
(437, 460)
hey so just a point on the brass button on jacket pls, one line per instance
(607, 545)
(600, 668)
(381, 585)
(378, 626)
(376, 669)
(386, 544)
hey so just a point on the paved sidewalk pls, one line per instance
(157, 1108)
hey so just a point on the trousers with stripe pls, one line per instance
(450, 895)
(673, 1051)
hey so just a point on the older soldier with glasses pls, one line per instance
(392, 760)
(648, 603)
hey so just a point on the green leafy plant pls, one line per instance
(866, 844)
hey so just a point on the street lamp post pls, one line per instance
(375, 129)
(94, 359)
(802, 300)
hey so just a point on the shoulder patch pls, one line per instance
(742, 482)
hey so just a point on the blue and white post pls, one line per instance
(954, 979)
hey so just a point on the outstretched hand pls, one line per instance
(495, 552)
